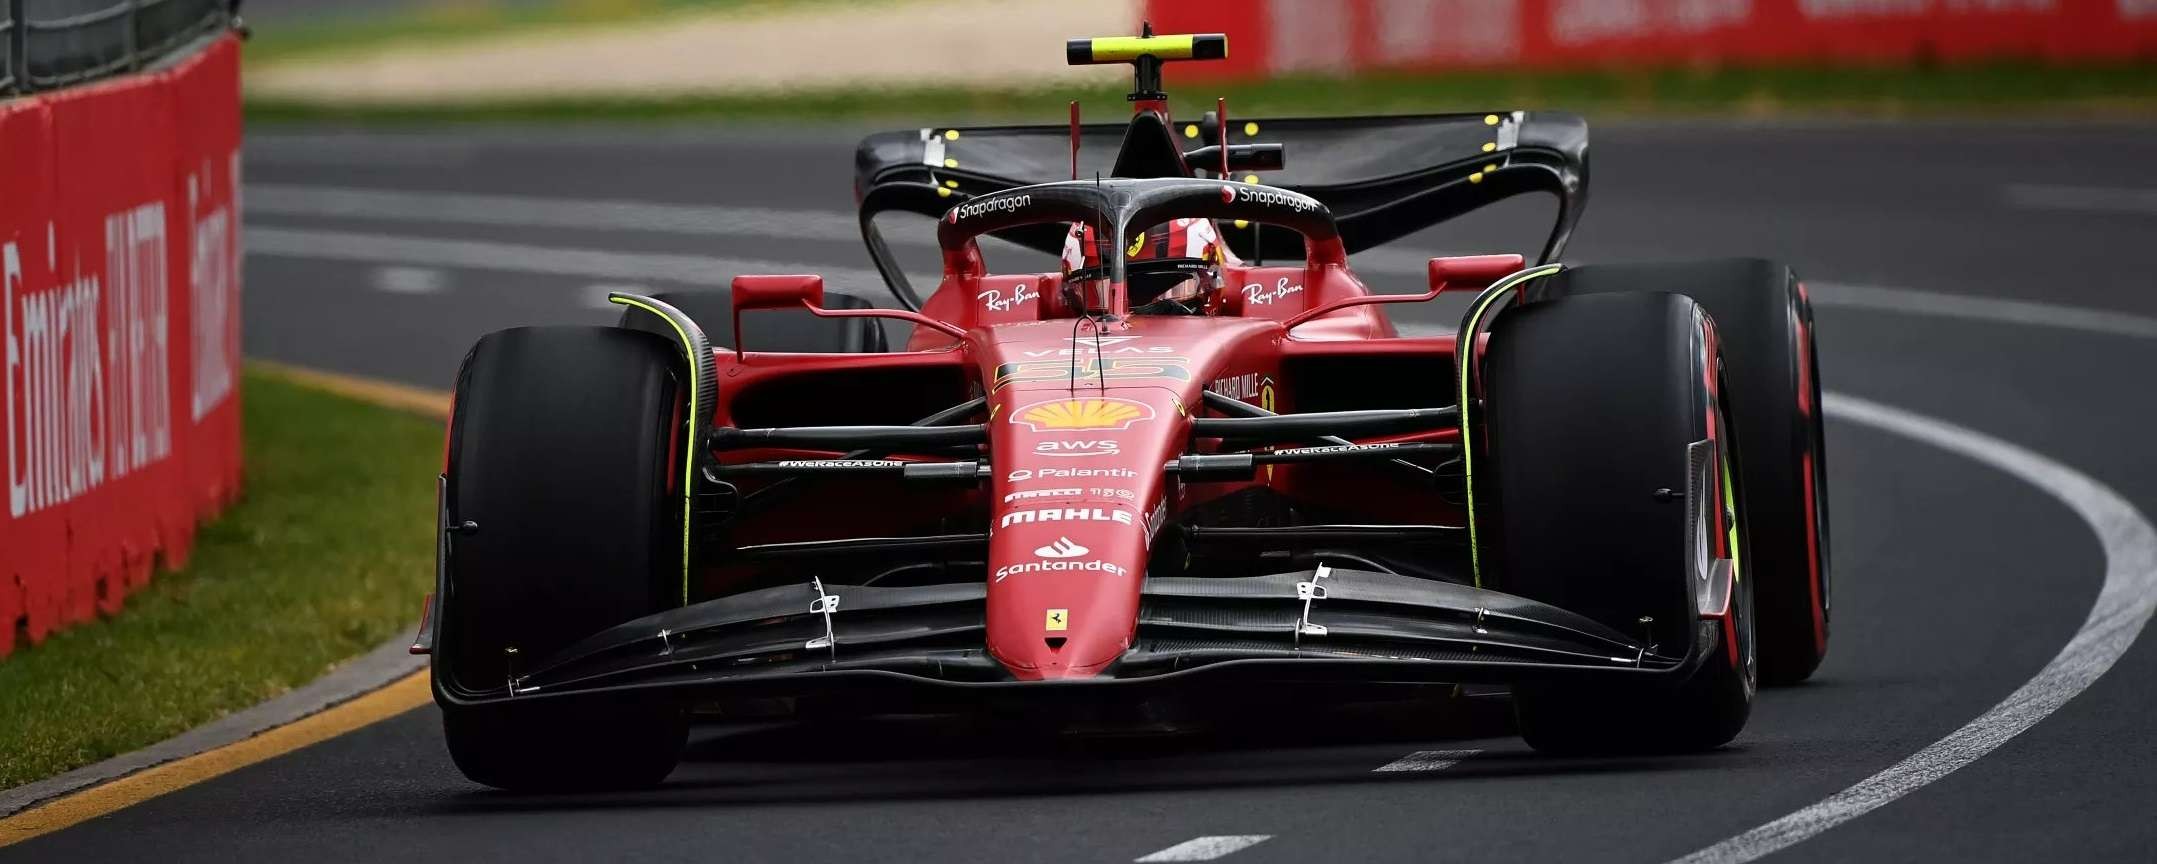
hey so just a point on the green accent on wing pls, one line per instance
(689, 466)
(1730, 496)
(1464, 351)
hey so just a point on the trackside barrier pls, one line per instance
(1268, 37)
(120, 252)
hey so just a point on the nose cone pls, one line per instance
(1063, 591)
(1078, 474)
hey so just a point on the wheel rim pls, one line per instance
(1814, 458)
(1741, 601)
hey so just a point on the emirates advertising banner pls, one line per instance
(119, 299)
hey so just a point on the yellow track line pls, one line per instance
(399, 696)
(403, 695)
(388, 394)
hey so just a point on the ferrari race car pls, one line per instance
(1166, 471)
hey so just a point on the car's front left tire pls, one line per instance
(1765, 324)
(1594, 409)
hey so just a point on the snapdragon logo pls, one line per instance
(1269, 197)
(1004, 204)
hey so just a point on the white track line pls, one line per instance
(582, 214)
(1427, 760)
(398, 279)
(2081, 199)
(543, 260)
(1837, 294)
(342, 149)
(1842, 295)
(1205, 848)
(832, 226)
(2122, 607)
(536, 212)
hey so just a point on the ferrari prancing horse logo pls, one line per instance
(1059, 619)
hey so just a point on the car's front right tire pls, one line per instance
(563, 469)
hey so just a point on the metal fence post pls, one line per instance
(18, 47)
(127, 35)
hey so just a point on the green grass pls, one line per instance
(464, 21)
(1995, 90)
(326, 557)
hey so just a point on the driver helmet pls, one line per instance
(1176, 238)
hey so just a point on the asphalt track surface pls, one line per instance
(1956, 582)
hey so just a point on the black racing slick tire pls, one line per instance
(776, 330)
(1765, 323)
(1593, 409)
(563, 469)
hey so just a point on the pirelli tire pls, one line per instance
(1765, 322)
(1595, 408)
(562, 467)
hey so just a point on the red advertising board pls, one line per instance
(1269, 37)
(34, 560)
(120, 244)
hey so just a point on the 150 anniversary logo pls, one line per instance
(1116, 368)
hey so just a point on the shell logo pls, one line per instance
(1072, 415)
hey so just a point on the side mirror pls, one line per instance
(773, 292)
(777, 292)
(1476, 270)
(806, 292)
(1241, 157)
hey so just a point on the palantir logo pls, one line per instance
(1062, 548)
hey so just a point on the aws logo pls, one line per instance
(1086, 447)
(1072, 415)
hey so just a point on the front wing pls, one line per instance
(1310, 626)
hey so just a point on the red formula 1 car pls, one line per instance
(1161, 473)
